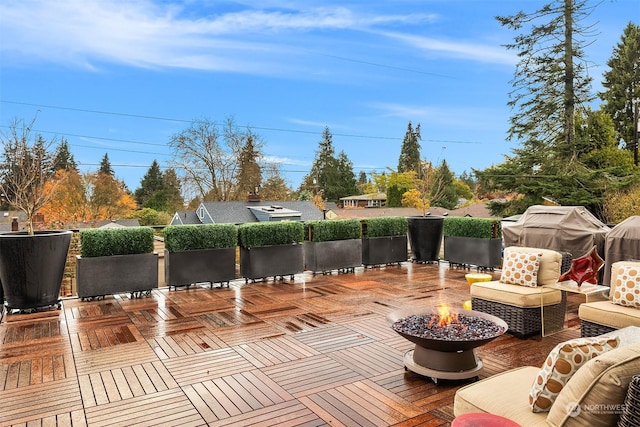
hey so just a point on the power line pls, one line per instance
(168, 119)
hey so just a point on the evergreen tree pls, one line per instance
(551, 77)
(173, 190)
(410, 150)
(443, 191)
(550, 81)
(62, 158)
(274, 187)
(346, 184)
(250, 174)
(150, 193)
(622, 83)
(105, 165)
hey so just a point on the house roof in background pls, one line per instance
(238, 212)
(370, 196)
(186, 218)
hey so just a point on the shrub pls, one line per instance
(256, 234)
(385, 226)
(116, 241)
(208, 236)
(327, 230)
(471, 227)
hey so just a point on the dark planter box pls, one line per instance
(107, 275)
(384, 250)
(425, 237)
(333, 255)
(31, 268)
(267, 261)
(185, 268)
(486, 253)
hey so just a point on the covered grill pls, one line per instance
(622, 244)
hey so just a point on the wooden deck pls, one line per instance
(313, 351)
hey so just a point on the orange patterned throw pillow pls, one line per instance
(563, 361)
(520, 268)
(627, 286)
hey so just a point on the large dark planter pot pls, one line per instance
(485, 253)
(384, 250)
(425, 237)
(185, 268)
(32, 266)
(267, 261)
(107, 275)
(332, 255)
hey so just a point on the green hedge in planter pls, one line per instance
(330, 230)
(116, 241)
(179, 238)
(482, 228)
(257, 234)
(384, 226)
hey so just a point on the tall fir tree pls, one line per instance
(62, 157)
(549, 83)
(105, 165)
(410, 150)
(173, 190)
(250, 173)
(622, 87)
(150, 185)
(443, 191)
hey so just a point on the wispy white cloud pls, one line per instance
(456, 49)
(248, 39)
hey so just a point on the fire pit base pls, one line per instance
(413, 362)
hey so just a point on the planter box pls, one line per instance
(425, 237)
(384, 250)
(31, 268)
(107, 275)
(486, 253)
(267, 261)
(185, 268)
(332, 255)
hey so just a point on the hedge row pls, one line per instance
(482, 228)
(135, 240)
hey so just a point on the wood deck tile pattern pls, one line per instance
(104, 359)
(124, 383)
(171, 407)
(311, 375)
(196, 368)
(183, 344)
(313, 351)
(34, 402)
(234, 395)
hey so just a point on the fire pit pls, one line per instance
(445, 342)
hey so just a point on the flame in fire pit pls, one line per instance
(445, 316)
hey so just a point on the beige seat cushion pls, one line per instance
(505, 394)
(518, 296)
(596, 390)
(609, 314)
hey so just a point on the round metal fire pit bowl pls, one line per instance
(442, 358)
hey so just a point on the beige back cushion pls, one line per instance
(595, 393)
(550, 263)
(614, 272)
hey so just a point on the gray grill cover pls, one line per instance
(622, 244)
(570, 229)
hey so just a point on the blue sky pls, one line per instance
(122, 76)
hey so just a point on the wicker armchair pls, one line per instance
(602, 317)
(520, 306)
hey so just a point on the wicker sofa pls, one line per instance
(601, 317)
(593, 396)
(520, 306)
